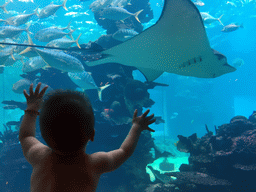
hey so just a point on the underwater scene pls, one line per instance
(190, 62)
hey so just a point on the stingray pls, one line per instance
(176, 43)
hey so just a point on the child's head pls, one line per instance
(66, 120)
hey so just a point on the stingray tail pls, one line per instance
(220, 20)
(64, 5)
(137, 14)
(101, 89)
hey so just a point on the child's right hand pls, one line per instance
(142, 121)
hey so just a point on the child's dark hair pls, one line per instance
(66, 120)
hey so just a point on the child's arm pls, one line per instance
(112, 160)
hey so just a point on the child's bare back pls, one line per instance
(61, 168)
(66, 174)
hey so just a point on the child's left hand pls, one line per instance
(35, 98)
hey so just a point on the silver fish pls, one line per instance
(4, 5)
(13, 59)
(51, 33)
(20, 85)
(33, 64)
(238, 62)
(51, 9)
(208, 19)
(124, 34)
(99, 4)
(120, 3)
(11, 31)
(199, 3)
(231, 27)
(20, 19)
(118, 13)
(61, 61)
(85, 81)
(4, 56)
(64, 42)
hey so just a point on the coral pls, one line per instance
(224, 161)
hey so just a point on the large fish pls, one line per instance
(20, 85)
(124, 34)
(3, 57)
(118, 13)
(96, 6)
(51, 9)
(20, 19)
(208, 19)
(51, 34)
(61, 60)
(9, 31)
(177, 43)
(85, 81)
(33, 64)
(64, 42)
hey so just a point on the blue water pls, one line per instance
(188, 103)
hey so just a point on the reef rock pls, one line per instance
(224, 161)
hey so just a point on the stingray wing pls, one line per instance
(177, 43)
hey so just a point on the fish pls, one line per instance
(174, 115)
(51, 34)
(159, 120)
(161, 177)
(64, 42)
(177, 43)
(118, 13)
(85, 81)
(4, 56)
(13, 58)
(20, 85)
(238, 62)
(124, 34)
(120, 3)
(60, 60)
(208, 19)
(9, 31)
(33, 64)
(231, 27)
(165, 165)
(231, 3)
(4, 5)
(199, 3)
(20, 19)
(98, 5)
(51, 9)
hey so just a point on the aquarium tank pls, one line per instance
(190, 62)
